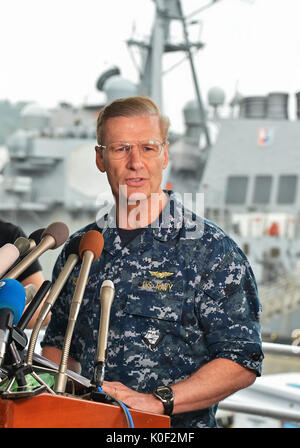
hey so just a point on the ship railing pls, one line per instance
(275, 412)
(263, 411)
(281, 349)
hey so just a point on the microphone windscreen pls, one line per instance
(22, 244)
(59, 231)
(107, 283)
(9, 254)
(13, 297)
(92, 241)
(36, 236)
(73, 246)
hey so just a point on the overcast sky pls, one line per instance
(54, 50)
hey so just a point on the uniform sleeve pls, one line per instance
(229, 307)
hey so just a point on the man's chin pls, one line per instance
(130, 195)
(136, 196)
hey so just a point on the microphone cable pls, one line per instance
(123, 407)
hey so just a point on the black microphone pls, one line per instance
(53, 236)
(12, 304)
(34, 304)
(107, 293)
(35, 238)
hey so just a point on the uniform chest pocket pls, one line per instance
(156, 298)
(151, 319)
(155, 315)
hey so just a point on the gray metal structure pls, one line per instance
(251, 189)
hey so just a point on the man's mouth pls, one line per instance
(135, 180)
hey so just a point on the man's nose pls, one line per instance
(135, 160)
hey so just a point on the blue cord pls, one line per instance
(123, 405)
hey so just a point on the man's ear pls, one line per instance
(99, 159)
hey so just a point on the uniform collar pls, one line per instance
(166, 227)
(170, 222)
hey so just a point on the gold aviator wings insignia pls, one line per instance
(161, 274)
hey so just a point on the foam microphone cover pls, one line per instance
(36, 236)
(73, 246)
(13, 297)
(59, 231)
(22, 244)
(92, 241)
(10, 254)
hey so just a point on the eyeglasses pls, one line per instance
(149, 149)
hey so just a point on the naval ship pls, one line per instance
(245, 165)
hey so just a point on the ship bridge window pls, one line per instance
(236, 190)
(287, 189)
(262, 189)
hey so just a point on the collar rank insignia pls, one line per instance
(152, 338)
(161, 274)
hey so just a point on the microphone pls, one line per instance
(17, 336)
(52, 237)
(30, 292)
(22, 244)
(34, 304)
(72, 256)
(12, 304)
(8, 255)
(35, 238)
(107, 294)
(90, 249)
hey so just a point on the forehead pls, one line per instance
(132, 128)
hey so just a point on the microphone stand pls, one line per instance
(16, 368)
(49, 302)
(61, 378)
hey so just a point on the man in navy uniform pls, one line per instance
(184, 324)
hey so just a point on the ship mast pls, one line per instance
(150, 82)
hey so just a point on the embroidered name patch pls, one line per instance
(157, 286)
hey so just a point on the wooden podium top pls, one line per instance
(56, 411)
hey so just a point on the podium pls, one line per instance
(57, 411)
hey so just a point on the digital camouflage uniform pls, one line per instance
(179, 303)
